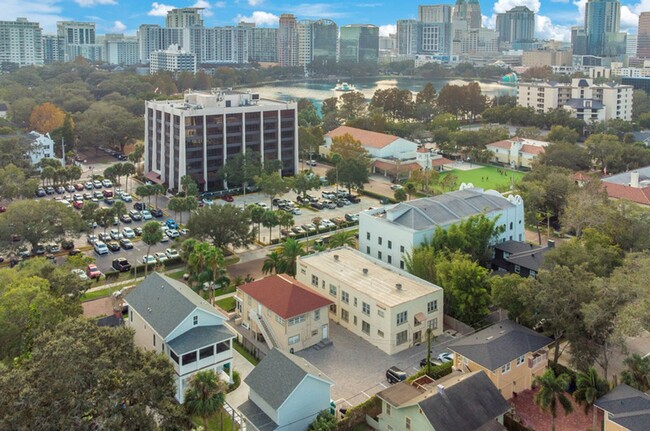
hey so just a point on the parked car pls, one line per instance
(113, 246)
(125, 218)
(38, 250)
(67, 244)
(49, 190)
(74, 252)
(107, 193)
(172, 233)
(121, 264)
(146, 215)
(88, 196)
(103, 236)
(115, 234)
(127, 232)
(156, 212)
(88, 185)
(434, 362)
(97, 184)
(171, 253)
(227, 198)
(60, 190)
(100, 248)
(148, 259)
(296, 211)
(171, 224)
(126, 244)
(317, 205)
(445, 357)
(138, 231)
(107, 183)
(352, 217)
(126, 197)
(395, 375)
(160, 256)
(80, 273)
(263, 205)
(70, 188)
(298, 230)
(329, 204)
(139, 206)
(91, 239)
(78, 187)
(78, 204)
(135, 215)
(311, 163)
(40, 192)
(109, 201)
(93, 272)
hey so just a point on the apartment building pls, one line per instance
(20, 43)
(388, 233)
(388, 307)
(172, 59)
(196, 136)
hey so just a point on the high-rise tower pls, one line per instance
(288, 40)
(643, 38)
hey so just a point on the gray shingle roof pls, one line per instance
(523, 254)
(625, 177)
(499, 344)
(627, 406)
(164, 302)
(421, 214)
(257, 417)
(468, 402)
(198, 337)
(278, 375)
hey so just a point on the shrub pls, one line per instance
(236, 381)
(378, 196)
(437, 371)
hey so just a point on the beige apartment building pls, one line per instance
(546, 58)
(386, 306)
(283, 313)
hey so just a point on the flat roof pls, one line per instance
(380, 281)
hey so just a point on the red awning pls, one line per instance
(154, 177)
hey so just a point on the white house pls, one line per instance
(285, 393)
(388, 233)
(41, 147)
(516, 152)
(378, 145)
(169, 317)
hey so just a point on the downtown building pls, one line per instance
(317, 41)
(196, 136)
(288, 41)
(600, 36)
(120, 50)
(173, 59)
(359, 43)
(79, 40)
(21, 43)
(262, 43)
(516, 27)
(643, 36)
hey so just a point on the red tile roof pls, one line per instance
(532, 149)
(392, 167)
(285, 296)
(622, 191)
(366, 137)
(501, 144)
(441, 161)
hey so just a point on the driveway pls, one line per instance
(358, 368)
(240, 395)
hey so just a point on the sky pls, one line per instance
(554, 18)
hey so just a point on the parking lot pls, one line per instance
(358, 368)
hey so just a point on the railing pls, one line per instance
(268, 334)
(538, 360)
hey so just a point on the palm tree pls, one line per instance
(158, 189)
(272, 263)
(151, 234)
(257, 213)
(410, 189)
(553, 391)
(128, 169)
(637, 372)
(341, 238)
(204, 395)
(590, 387)
(289, 250)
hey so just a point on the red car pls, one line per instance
(79, 186)
(108, 193)
(3, 209)
(227, 198)
(93, 272)
(78, 204)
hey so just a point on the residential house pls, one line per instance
(388, 233)
(459, 401)
(516, 152)
(386, 306)
(285, 393)
(625, 408)
(631, 185)
(169, 317)
(41, 147)
(378, 145)
(510, 354)
(518, 257)
(283, 313)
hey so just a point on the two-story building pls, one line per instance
(625, 408)
(510, 354)
(516, 152)
(388, 307)
(518, 257)
(285, 393)
(169, 317)
(283, 313)
(458, 401)
(388, 233)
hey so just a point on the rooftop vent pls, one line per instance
(441, 389)
(336, 257)
(149, 309)
(365, 271)
(398, 286)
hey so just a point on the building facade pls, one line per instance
(602, 25)
(121, 51)
(184, 18)
(53, 49)
(516, 152)
(172, 59)
(288, 41)
(155, 38)
(643, 36)
(197, 135)
(21, 43)
(262, 43)
(407, 37)
(388, 307)
(79, 39)
(359, 43)
(221, 45)
(516, 26)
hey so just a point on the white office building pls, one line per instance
(20, 43)
(172, 59)
(389, 233)
(120, 50)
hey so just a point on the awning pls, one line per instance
(420, 318)
(154, 177)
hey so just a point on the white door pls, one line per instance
(259, 309)
(325, 331)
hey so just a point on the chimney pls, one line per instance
(336, 257)
(550, 243)
(398, 286)
(441, 389)
(634, 179)
(365, 271)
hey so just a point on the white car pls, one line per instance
(172, 233)
(263, 205)
(207, 201)
(107, 183)
(80, 273)
(183, 231)
(115, 234)
(327, 223)
(127, 197)
(171, 253)
(160, 256)
(97, 184)
(100, 248)
(164, 238)
(146, 215)
(149, 259)
(127, 232)
(296, 211)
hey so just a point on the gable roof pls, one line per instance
(366, 137)
(164, 302)
(499, 344)
(532, 149)
(622, 191)
(628, 407)
(467, 402)
(285, 296)
(279, 374)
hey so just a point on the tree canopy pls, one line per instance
(224, 225)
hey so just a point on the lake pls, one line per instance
(318, 91)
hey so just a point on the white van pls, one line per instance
(100, 248)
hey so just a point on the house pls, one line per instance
(518, 257)
(625, 408)
(631, 185)
(41, 147)
(285, 393)
(283, 313)
(516, 152)
(388, 233)
(169, 317)
(510, 354)
(458, 401)
(378, 145)
(386, 306)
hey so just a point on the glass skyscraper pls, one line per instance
(359, 42)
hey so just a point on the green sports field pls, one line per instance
(487, 177)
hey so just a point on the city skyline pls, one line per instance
(553, 18)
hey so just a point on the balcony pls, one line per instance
(538, 361)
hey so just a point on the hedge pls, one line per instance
(357, 415)
(437, 371)
(378, 196)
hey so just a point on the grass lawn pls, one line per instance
(487, 177)
(218, 422)
(176, 275)
(250, 358)
(101, 293)
(227, 304)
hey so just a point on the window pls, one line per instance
(390, 258)
(407, 423)
(174, 356)
(188, 358)
(368, 236)
(333, 290)
(390, 244)
(296, 320)
(314, 280)
(365, 327)
(402, 337)
(303, 271)
(390, 428)
(379, 255)
(401, 264)
(154, 340)
(380, 313)
(387, 409)
(131, 317)
(345, 297)
(532, 274)
(223, 347)
(380, 333)
(206, 352)
(323, 285)
(317, 315)
(196, 320)
(521, 360)
(379, 240)
(505, 368)
(355, 302)
(365, 308)
(511, 225)
(279, 319)
(345, 316)
(294, 339)
(517, 269)
(402, 317)
(354, 320)
(432, 324)
(401, 249)
(367, 250)
(432, 306)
